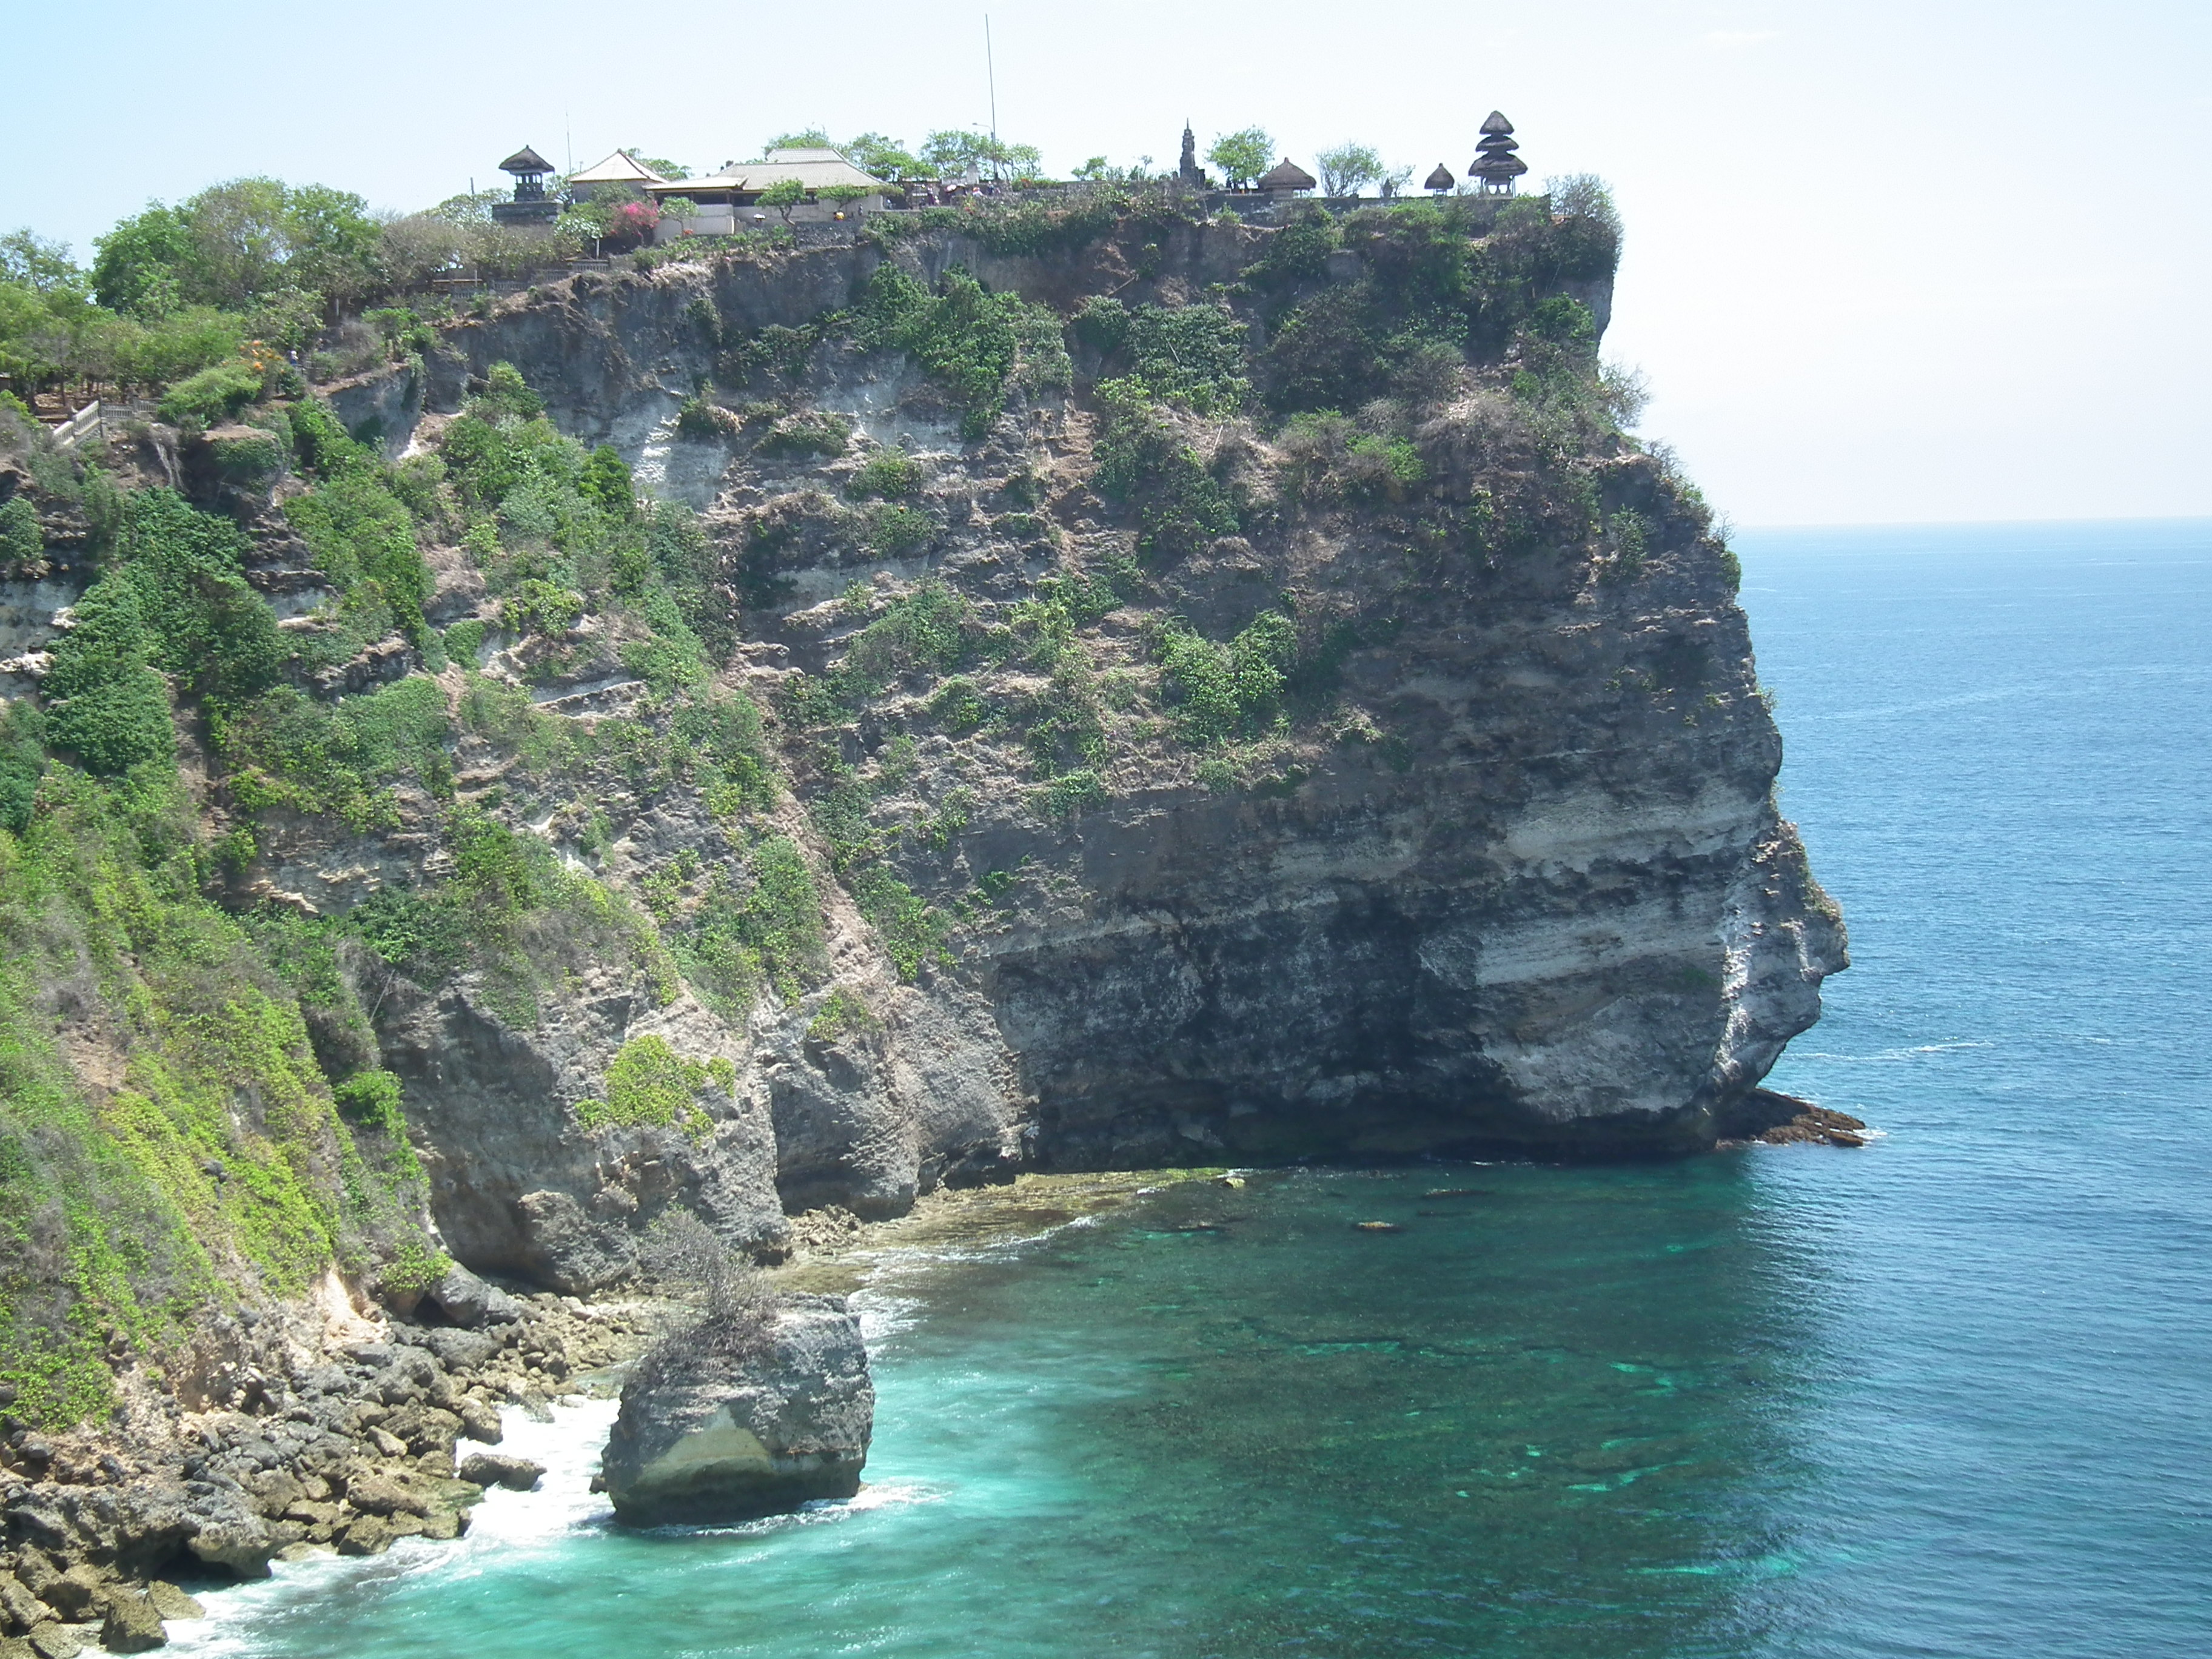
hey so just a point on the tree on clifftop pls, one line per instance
(239, 243)
(884, 158)
(783, 196)
(1242, 155)
(1347, 169)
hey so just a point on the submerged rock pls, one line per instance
(713, 1431)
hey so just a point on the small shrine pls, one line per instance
(1188, 171)
(1440, 181)
(531, 206)
(1495, 164)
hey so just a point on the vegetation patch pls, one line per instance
(1193, 356)
(649, 1084)
(1219, 692)
(762, 926)
(1144, 461)
(983, 347)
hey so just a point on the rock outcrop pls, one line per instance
(1127, 687)
(713, 1431)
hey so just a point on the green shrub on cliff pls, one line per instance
(649, 1084)
(287, 750)
(1219, 692)
(1299, 251)
(212, 396)
(176, 600)
(207, 626)
(362, 521)
(514, 913)
(21, 541)
(1193, 356)
(983, 347)
(886, 472)
(22, 763)
(1144, 461)
(913, 932)
(759, 925)
(110, 707)
(932, 630)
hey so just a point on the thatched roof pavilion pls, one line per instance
(1285, 177)
(1441, 179)
(531, 206)
(1495, 163)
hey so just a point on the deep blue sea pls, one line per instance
(1950, 1395)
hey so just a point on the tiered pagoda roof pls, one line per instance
(1495, 163)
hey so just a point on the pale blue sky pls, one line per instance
(1886, 261)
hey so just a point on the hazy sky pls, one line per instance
(1896, 260)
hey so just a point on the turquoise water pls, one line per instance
(1947, 1395)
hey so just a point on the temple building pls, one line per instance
(1440, 181)
(1496, 165)
(1188, 171)
(1287, 178)
(531, 206)
(619, 174)
(729, 200)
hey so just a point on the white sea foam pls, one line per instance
(1891, 1056)
(876, 1495)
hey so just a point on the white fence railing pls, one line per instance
(80, 426)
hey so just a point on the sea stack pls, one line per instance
(714, 1431)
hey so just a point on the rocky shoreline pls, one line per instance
(330, 1427)
(312, 1431)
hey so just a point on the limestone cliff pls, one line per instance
(1164, 691)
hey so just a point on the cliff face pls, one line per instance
(1511, 878)
(1163, 692)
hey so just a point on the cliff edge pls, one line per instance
(1028, 689)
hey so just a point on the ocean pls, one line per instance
(1949, 1394)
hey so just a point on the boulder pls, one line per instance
(457, 1351)
(132, 1625)
(480, 1421)
(53, 1640)
(714, 1428)
(469, 1301)
(17, 1605)
(226, 1533)
(384, 1494)
(498, 1469)
(172, 1603)
(366, 1534)
(74, 1594)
